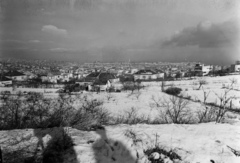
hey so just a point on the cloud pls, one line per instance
(54, 30)
(34, 41)
(62, 50)
(14, 41)
(206, 34)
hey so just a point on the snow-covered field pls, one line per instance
(193, 143)
(196, 143)
(118, 103)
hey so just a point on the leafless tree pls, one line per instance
(90, 113)
(34, 110)
(131, 117)
(225, 104)
(201, 82)
(206, 113)
(233, 81)
(137, 95)
(225, 101)
(174, 110)
(218, 111)
(155, 102)
(37, 109)
(12, 111)
(138, 85)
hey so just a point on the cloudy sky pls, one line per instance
(119, 30)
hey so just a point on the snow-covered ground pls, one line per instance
(196, 143)
(118, 103)
(215, 88)
(193, 143)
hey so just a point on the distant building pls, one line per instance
(16, 76)
(5, 81)
(131, 71)
(30, 75)
(147, 74)
(202, 70)
(56, 77)
(235, 67)
(98, 81)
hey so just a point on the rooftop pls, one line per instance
(4, 79)
(13, 73)
(145, 72)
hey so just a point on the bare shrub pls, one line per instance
(206, 113)
(12, 111)
(34, 111)
(137, 95)
(131, 117)
(201, 82)
(225, 101)
(109, 96)
(155, 102)
(134, 95)
(164, 155)
(131, 134)
(213, 111)
(231, 116)
(61, 112)
(129, 86)
(132, 86)
(233, 81)
(174, 110)
(223, 106)
(90, 113)
(37, 110)
(138, 85)
(159, 154)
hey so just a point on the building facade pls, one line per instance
(235, 67)
(148, 75)
(202, 70)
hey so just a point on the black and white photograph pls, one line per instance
(119, 81)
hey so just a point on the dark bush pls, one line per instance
(170, 154)
(35, 111)
(173, 91)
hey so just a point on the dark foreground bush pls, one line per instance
(160, 155)
(173, 91)
(36, 111)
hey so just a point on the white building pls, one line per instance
(5, 81)
(148, 75)
(201, 69)
(16, 76)
(99, 80)
(235, 67)
(131, 71)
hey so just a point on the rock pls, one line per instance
(155, 155)
(162, 156)
(167, 160)
(177, 161)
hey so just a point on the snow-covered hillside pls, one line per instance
(194, 143)
(126, 144)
